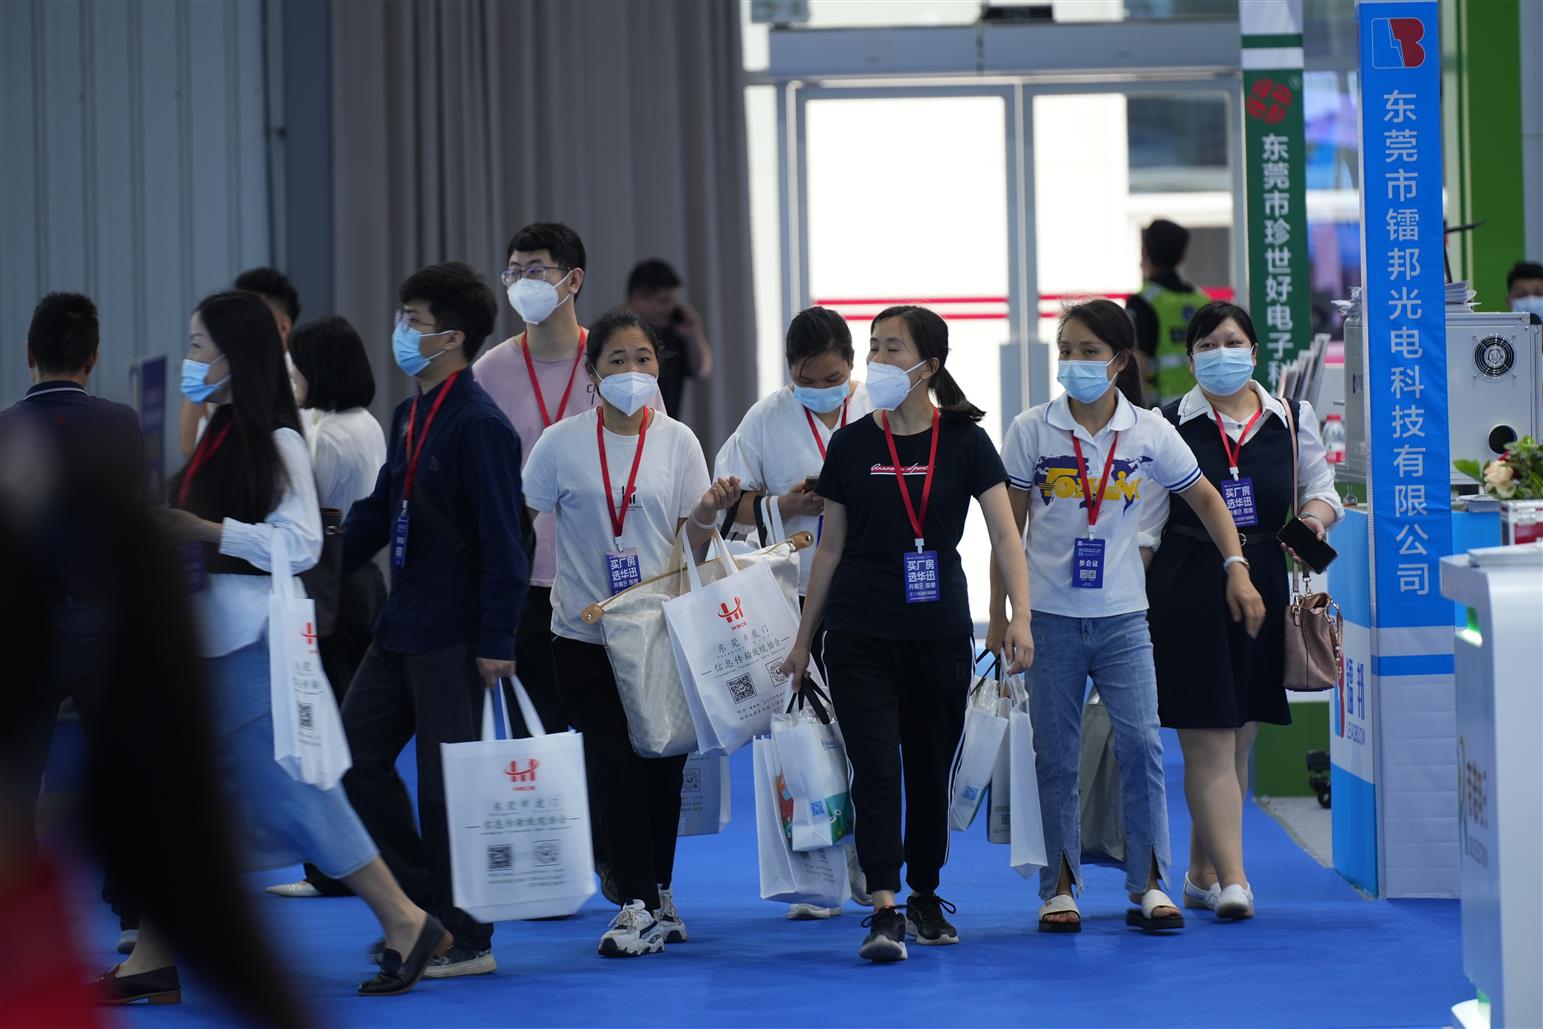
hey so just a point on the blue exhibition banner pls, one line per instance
(1404, 295)
(152, 421)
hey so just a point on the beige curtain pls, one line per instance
(455, 122)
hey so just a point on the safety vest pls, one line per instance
(1172, 378)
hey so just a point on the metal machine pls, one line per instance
(1494, 387)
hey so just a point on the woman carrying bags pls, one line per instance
(1081, 468)
(1217, 695)
(888, 584)
(622, 480)
(779, 450)
(249, 481)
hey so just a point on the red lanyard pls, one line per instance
(815, 429)
(535, 384)
(619, 518)
(1094, 504)
(413, 455)
(917, 520)
(1235, 454)
(201, 456)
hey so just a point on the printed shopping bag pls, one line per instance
(1027, 830)
(1101, 808)
(730, 637)
(817, 877)
(308, 739)
(518, 814)
(704, 796)
(999, 812)
(813, 759)
(984, 731)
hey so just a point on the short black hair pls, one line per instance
(64, 333)
(612, 322)
(457, 297)
(1523, 270)
(1165, 243)
(557, 239)
(652, 276)
(331, 356)
(815, 331)
(271, 284)
(1210, 317)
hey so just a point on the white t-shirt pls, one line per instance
(347, 451)
(1148, 454)
(563, 476)
(775, 449)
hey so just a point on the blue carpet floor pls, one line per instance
(1317, 955)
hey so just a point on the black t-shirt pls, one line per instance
(673, 371)
(868, 593)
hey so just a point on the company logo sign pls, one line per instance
(309, 635)
(1269, 101)
(1398, 42)
(523, 774)
(735, 615)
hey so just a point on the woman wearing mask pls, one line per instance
(889, 586)
(1217, 695)
(1082, 468)
(248, 482)
(778, 451)
(333, 383)
(622, 480)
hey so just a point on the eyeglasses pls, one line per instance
(405, 318)
(513, 274)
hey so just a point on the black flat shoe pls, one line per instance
(158, 986)
(399, 976)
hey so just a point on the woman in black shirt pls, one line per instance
(889, 585)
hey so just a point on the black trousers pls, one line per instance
(901, 705)
(436, 697)
(535, 664)
(638, 799)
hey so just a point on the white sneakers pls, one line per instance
(633, 931)
(669, 918)
(301, 889)
(810, 913)
(1231, 904)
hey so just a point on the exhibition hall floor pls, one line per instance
(1318, 955)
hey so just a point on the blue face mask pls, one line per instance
(406, 348)
(822, 400)
(193, 375)
(1085, 381)
(1225, 370)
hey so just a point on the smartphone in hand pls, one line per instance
(1304, 542)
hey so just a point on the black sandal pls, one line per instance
(399, 976)
(158, 986)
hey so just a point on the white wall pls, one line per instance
(133, 169)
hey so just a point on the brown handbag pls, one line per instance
(1314, 623)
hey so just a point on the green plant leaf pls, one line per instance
(1470, 468)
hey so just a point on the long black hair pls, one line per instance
(1210, 317)
(815, 331)
(1109, 322)
(245, 477)
(930, 334)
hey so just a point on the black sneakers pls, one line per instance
(924, 920)
(886, 940)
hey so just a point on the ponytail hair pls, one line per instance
(1112, 325)
(930, 334)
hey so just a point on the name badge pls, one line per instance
(623, 570)
(399, 541)
(194, 572)
(1088, 564)
(1239, 495)
(921, 577)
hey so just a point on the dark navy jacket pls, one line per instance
(470, 473)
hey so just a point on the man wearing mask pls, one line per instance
(653, 291)
(449, 508)
(1525, 286)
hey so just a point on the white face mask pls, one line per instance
(628, 391)
(888, 386)
(1533, 305)
(534, 300)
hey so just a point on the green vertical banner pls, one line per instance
(1275, 156)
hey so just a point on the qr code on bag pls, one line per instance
(500, 858)
(546, 852)
(742, 688)
(307, 718)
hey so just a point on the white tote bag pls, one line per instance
(308, 739)
(984, 730)
(999, 809)
(1027, 830)
(817, 877)
(813, 759)
(730, 637)
(518, 816)
(705, 804)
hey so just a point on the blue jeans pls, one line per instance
(1116, 652)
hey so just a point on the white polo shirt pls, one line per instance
(1150, 457)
